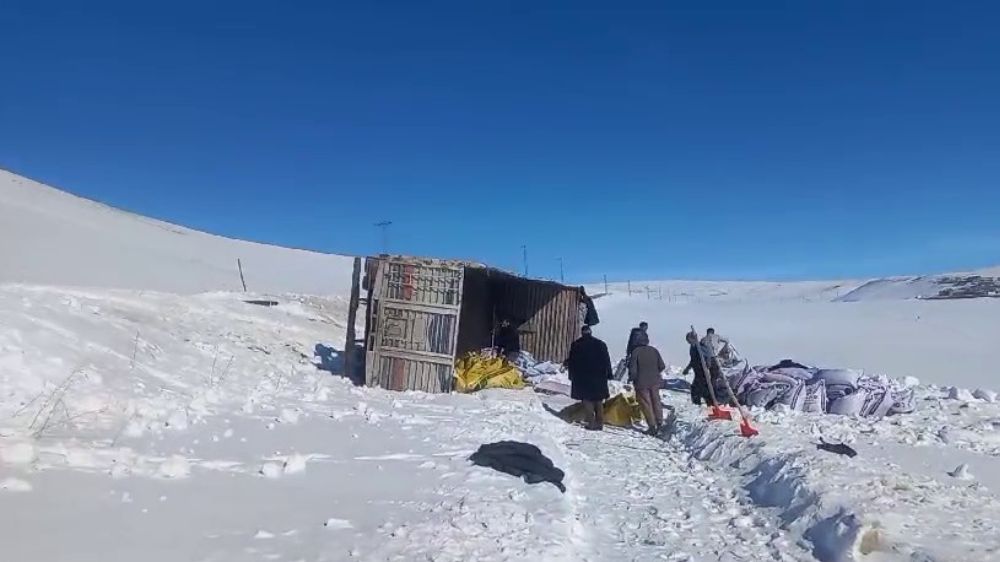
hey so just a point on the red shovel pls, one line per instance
(747, 430)
(720, 413)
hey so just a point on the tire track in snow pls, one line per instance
(640, 498)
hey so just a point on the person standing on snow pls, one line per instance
(708, 349)
(644, 368)
(714, 343)
(633, 337)
(698, 362)
(589, 367)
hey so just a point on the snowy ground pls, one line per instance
(159, 427)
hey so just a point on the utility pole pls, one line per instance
(384, 225)
(524, 257)
(606, 291)
(562, 275)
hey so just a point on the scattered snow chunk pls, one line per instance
(175, 467)
(227, 434)
(295, 464)
(262, 534)
(984, 394)
(910, 382)
(338, 524)
(271, 470)
(961, 472)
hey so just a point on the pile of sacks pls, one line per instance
(844, 392)
(535, 371)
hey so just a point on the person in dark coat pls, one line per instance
(699, 360)
(633, 337)
(644, 368)
(589, 367)
(508, 341)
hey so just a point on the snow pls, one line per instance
(62, 239)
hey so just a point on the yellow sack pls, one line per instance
(475, 372)
(621, 410)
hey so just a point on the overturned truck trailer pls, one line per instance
(424, 313)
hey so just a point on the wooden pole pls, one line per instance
(352, 316)
(239, 265)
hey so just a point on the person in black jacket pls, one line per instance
(633, 337)
(508, 341)
(589, 367)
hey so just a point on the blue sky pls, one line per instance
(633, 139)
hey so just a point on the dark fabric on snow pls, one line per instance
(589, 367)
(508, 340)
(519, 459)
(839, 448)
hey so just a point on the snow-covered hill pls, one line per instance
(50, 237)
(951, 286)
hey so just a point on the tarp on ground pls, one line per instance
(620, 410)
(477, 372)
